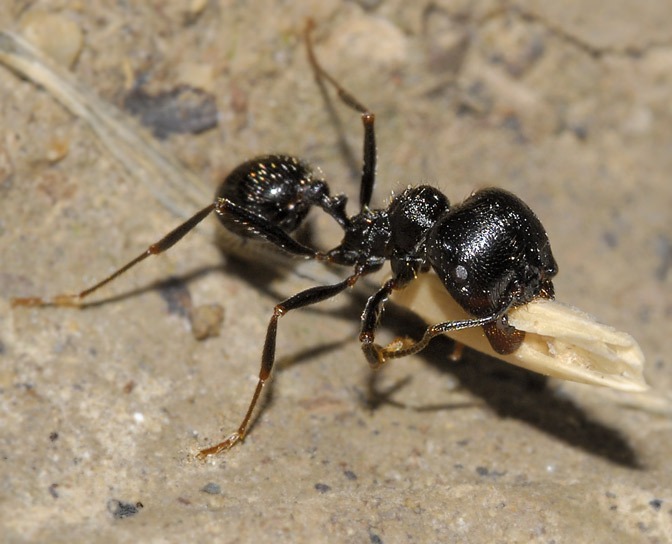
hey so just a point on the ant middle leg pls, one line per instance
(300, 300)
(368, 119)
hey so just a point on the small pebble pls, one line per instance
(57, 149)
(57, 36)
(198, 75)
(322, 488)
(212, 488)
(195, 9)
(120, 509)
(206, 321)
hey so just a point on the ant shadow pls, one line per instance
(509, 391)
(512, 392)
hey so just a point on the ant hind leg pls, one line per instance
(222, 206)
(165, 243)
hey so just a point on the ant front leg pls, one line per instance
(263, 228)
(368, 120)
(377, 355)
(300, 300)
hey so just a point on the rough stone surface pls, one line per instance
(101, 408)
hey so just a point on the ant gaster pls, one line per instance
(491, 252)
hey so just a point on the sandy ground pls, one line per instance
(568, 104)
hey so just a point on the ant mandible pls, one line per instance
(491, 252)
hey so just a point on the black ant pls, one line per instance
(491, 252)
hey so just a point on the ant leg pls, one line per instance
(368, 120)
(168, 241)
(370, 319)
(300, 300)
(377, 355)
(223, 206)
(408, 347)
(263, 228)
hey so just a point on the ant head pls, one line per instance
(412, 214)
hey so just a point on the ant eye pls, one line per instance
(460, 273)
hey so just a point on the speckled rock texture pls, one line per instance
(567, 104)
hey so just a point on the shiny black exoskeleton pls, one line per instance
(491, 252)
(279, 188)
